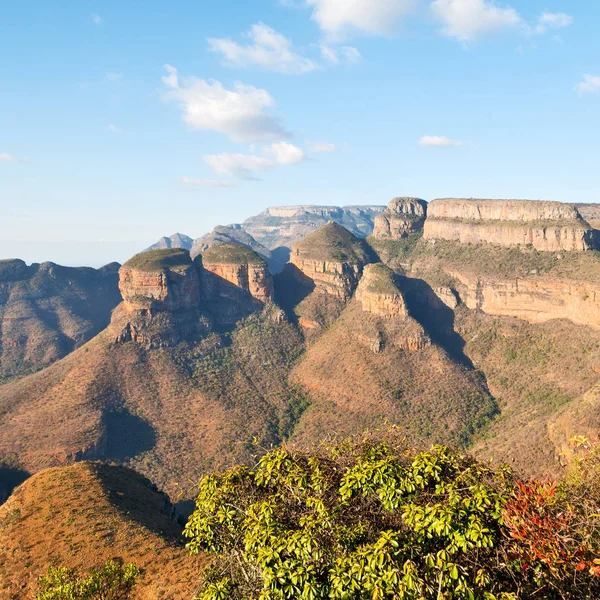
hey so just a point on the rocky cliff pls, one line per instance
(547, 226)
(235, 282)
(590, 213)
(332, 258)
(161, 296)
(378, 293)
(534, 299)
(402, 217)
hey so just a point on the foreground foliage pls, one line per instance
(111, 582)
(378, 520)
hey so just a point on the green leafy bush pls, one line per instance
(377, 520)
(113, 581)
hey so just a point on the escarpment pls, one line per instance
(546, 226)
(402, 217)
(378, 294)
(236, 281)
(332, 258)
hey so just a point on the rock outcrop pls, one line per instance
(547, 226)
(378, 293)
(535, 299)
(161, 296)
(402, 217)
(590, 213)
(332, 258)
(236, 281)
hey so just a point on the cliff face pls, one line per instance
(332, 258)
(402, 217)
(547, 226)
(534, 300)
(378, 293)
(161, 299)
(235, 282)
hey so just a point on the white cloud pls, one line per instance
(113, 76)
(467, 20)
(341, 18)
(96, 19)
(5, 157)
(268, 49)
(438, 141)
(589, 85)
(242, 166)
(113, 129)
(553, 21)
(195, 182)
(239, 113)
(285, 153)
(321, 147)
(346, 54)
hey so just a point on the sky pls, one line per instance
(122, 121)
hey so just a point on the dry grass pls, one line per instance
(82, 515)
(159, 260)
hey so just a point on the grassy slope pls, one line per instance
(82, 515)
(536, 373)
(231, 254)
(332, 242)
(352, 387)
(169, 413)
(158, 260)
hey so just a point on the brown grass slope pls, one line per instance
(170, 413)
(540, 375)
(82, 515)
(46, 311)
(431, 396)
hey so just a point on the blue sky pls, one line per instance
(122, 120)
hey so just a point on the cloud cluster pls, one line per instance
(5, 157)
(468, 20)
(268, 49)
(342, 18)
(244, 166)
(438, 141)
(589, 85)
(553, 21)
(240, 113)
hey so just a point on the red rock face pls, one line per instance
(156, 291)
(338, 279)
(384, 304)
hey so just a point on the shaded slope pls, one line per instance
(46, 311)
(80, 516)
(169, 412)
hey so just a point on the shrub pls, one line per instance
(113, 581)
(377, 520)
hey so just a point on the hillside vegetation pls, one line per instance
(82, 515)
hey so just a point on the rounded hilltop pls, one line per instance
(379, 279)
(162, 259)
(332, 243)
(231, 254)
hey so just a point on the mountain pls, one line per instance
(84, 514)
(210, 360)
(47, 310)
(177, 240)
(284, 225)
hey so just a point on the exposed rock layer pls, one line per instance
(547, 226)
(402, 217)
(378, 293)
(535, 300)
